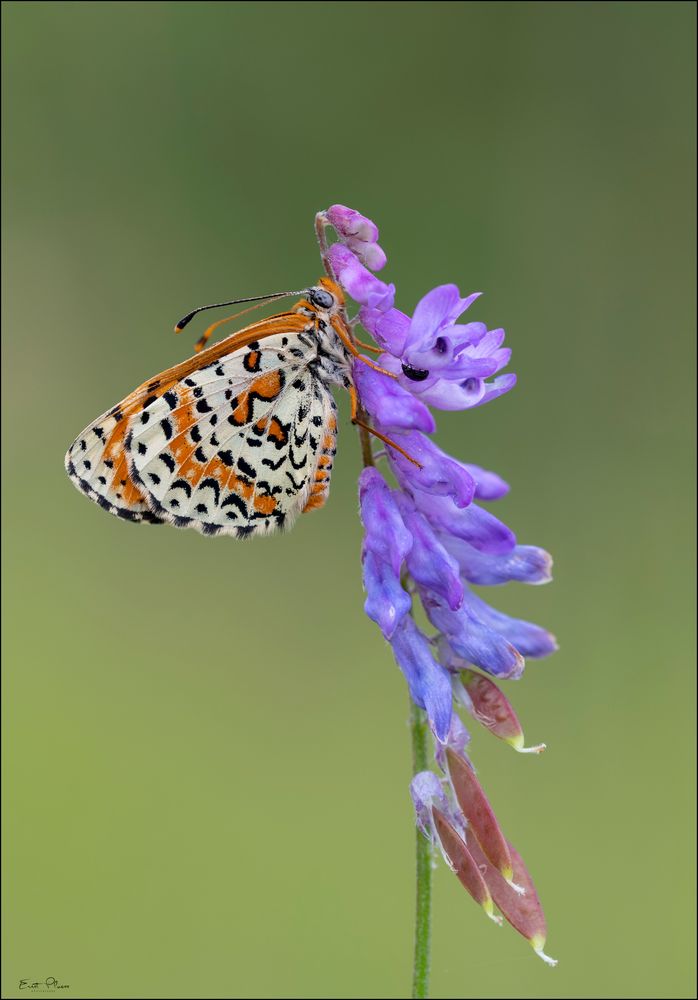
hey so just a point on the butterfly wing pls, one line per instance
(97, 463)
(240, 446)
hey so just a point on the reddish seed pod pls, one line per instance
(463, 864)
(492, 708)
(479, 813)
(524, 912)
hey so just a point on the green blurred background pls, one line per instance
(208, 756)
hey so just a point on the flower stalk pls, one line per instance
(419, 728)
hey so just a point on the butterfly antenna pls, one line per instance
(217, 305)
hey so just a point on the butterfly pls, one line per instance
(237, 440)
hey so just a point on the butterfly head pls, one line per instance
(326, 295)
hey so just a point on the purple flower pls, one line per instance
(429, 682)
(458, 739)
(488, 485)
(388, 328)
(427, 791)
(473, 524)
(527, 638)
(428, 562)
(438, 472)
(443, 363)
(473, 639)
(426, 541)
(386, 543)
(525, 563)
(359, 234)
(352, 225)
(358, 281)
(467, 394)
(389, 404)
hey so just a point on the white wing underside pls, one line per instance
(239, 447)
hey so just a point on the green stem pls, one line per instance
(422, 933)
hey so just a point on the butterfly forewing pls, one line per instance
(234, 448)
(239, 439)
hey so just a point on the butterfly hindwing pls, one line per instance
(96, 463)
(235, 447)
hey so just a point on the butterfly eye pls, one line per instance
(320, 298)
(416, 374)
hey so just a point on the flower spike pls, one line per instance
(427, 541)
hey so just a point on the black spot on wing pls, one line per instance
(296, 486)
(294, 463)
(181, 484)
(246, 468)
(274, 465)
(233, 500)
(212, 484)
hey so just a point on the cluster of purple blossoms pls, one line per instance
(427, 539)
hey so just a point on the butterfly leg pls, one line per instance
(358, 422)
(343, 334)
(367, 347)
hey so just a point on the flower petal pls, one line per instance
(386, 543)
(458, 739)
(488, 485)
(388, 403)
(426, 790)
(388, 328)
(386, 534)
(453, 370)
(530, 640)
(371, 255)
(525, 563)
(497, 387)
(439, 473)
(387, 602)
(358, 281)
(428, 681)
(438, 309)
(472, 524)
(472, 640)
(428, 562)
(350, 223)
